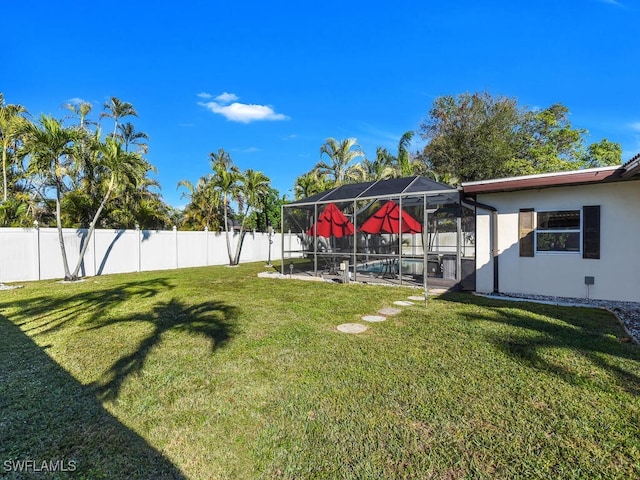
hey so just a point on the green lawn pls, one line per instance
(215, 373)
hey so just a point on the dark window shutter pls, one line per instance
(525, 232)
(591, 231)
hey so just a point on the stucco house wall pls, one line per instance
(616, 273)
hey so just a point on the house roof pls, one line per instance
(632, 167)
(628, 171)
(393, 187)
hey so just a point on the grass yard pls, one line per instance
(215, 373)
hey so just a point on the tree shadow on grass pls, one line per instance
(49, 313)
(214, 320)
(593, 334)
(48, 416)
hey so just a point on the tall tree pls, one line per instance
(473, 136)
(116, 109)
(119, 168)
(603, 154)
(341, 156)
(129, 136)
(380, 168)
(204, 209)
(271, 211)
(12, 123)
(226, 180)
(406, 166)
(254, 187)
(51, 147)
(310, 183)
(477, 136)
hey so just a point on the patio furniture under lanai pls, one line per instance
(407, 231)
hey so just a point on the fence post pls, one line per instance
(93, 244)
(36, 232)
(175, 236)
(139, 248)
(206, 245)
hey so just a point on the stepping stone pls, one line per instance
(417, 298)
(352, 328)
(374, 318)
(389, 311)
(403, 303)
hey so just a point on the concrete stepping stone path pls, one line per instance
(389, 311)
(403, 303)
(352, 328)
(374, 318)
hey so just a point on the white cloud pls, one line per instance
(76, 101)
(635, 126)
(205, 95)
(241, 112)
(227, 97)
(612, 2)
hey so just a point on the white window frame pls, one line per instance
(558, 230)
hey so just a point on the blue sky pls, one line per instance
(270, 81)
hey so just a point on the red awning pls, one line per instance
(331, 223)
(387, 220)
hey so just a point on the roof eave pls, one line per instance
(576, 177)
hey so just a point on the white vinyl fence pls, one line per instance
(34, 253)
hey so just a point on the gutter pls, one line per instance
(494, 233)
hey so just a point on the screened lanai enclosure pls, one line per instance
(405, 231)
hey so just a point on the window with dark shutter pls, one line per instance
(525, 230)
(591, 231)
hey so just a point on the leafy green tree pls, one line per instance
(341, 157)
(226, 181)
(551, 144)
(51, 147)
(404, 164)
(381, 168)
(129, 136)
(473, 136)
(119, 168)
(12, 124)
(117, 109)
(204, 209)
(310, 183)
(477, 136)
(271, 211)
(603, 154)
(254, 187)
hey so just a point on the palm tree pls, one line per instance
(80, 110)
(226, 181)
(121, 168)
(12, 122)
(51, 147)
(116, 109)
(253, 189)
(341, 155)
(310, 183)
(130, 137)
(404, 164)
(204, 207)
(138, 204)
(379, 169)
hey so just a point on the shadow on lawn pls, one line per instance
(595, 335)
(47, 314)
(214, 320)
(47, 416)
